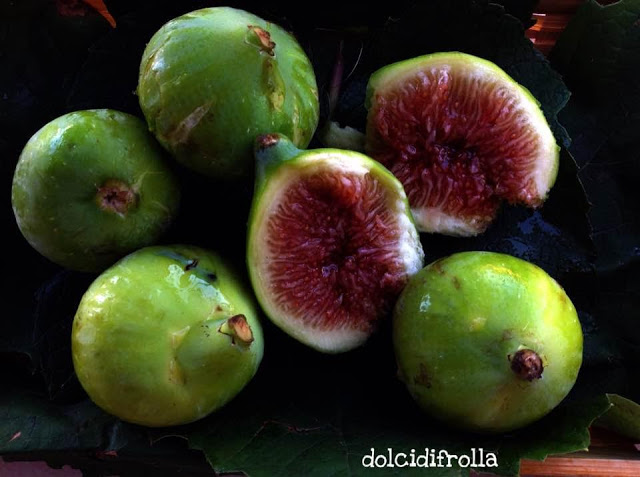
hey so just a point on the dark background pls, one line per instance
(61, 56)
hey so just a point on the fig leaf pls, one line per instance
(521, 9)
(623, 417)
(28, 422)
(323, 424)
(597, 55)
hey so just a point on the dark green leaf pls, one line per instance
(29, 423)
(42, 331)
(521, 9)
(599, 56)
(563, 431)
(623, 417)
(323, 415)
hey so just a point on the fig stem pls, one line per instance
(237, 328)
(527, 364)
(270, 151)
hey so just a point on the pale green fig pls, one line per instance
(486, 341)
(166, 336)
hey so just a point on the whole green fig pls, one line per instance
(166, 336)
(214, 79)
(485, 341)
(92, 186)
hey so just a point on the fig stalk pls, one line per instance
(270, 151)
(527, 364)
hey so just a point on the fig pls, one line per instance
(166, 336)
(462, 136)
(486, 341)
(90, 187)
(331, 242)
(214, 79)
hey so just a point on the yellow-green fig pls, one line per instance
(486, 341)
(166, 336)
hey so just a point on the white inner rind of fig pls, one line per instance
(332, 250)
(461, 136)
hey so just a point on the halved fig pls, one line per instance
(331, 242)
(462, 136)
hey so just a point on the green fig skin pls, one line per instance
(92, 186)
(460, 324)
(212, 80)
(153, 341)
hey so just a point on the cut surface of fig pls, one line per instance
(331, 246)
(461, 136)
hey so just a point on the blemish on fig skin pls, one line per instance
(212, 276)
(266, 141)
(423, 379)
(563, 298)
(273, 84)
(527, 364)
(506, 336)
(192, 264)
(116, 196)
(181, 133)
(456, 283)
(265, 42)
(437, 266)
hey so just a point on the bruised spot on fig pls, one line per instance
(261, 38)
(238, 328)
(175, 374)
(273, 84)
(526, 364)
(116, 196)
(507, 335)
(477, 323)
(423, 379)
(456, 283)
(212, 276)
(563, 297)
(438, 267)
(178, 336)
(181, 133)
(192, 264)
